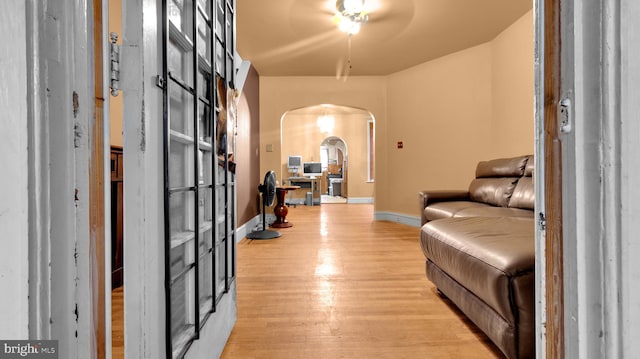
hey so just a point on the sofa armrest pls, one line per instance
(426, 198)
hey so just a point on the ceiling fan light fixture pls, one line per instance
(350, 7)
(351, 16)
(326, 123)
(347, 25)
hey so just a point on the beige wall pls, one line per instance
(455, 111)
(450, 113)
(278, 95)
(441, 110)
(512, 81)
(301, 136)
(115, 103)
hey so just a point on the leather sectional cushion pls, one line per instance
(502, 167)
(500, 331)
(495, 191)
(514, 340)
(523, 195)
(448, 209)
(483, 254)
(494, 212)
(528, 169)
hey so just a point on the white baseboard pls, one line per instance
(398, 218)
(254, 224)
(248, 227)
(360, 200)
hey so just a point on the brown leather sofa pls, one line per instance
(480, 253)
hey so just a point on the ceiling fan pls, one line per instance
(349, 17)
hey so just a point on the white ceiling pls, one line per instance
(299, 38)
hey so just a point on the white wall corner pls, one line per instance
(243, 71)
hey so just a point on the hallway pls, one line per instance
(339, 285)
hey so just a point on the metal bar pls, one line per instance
(181, 189)
(180, 274)
(165, 162)
(181, 83)
(196, 167)
(214, 173)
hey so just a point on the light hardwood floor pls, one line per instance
(340, 285)
(117, 323)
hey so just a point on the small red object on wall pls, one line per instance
(400, 144)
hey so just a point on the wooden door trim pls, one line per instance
(97, 192)
(553, 182)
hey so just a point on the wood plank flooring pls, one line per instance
(340, 285)
(117, 323)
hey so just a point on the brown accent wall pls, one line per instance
(248, 174)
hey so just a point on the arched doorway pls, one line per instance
(333, 156)
(307, 132)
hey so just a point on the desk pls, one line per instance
(281, 210)
(312, 184)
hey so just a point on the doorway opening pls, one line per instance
(322, 133)
(115, 268)
(333, 156)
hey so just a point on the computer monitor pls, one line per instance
(294, 162)
(312, 169)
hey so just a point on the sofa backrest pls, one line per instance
(523, 195)
(496, 180)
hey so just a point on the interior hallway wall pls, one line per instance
(441, 110)
(301, 136)
(512, 87)
(452, 112)
(281, 94)
(247, 156)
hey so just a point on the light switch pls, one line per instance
(269, 147)
(400, 144)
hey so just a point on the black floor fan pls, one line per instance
(268, 190)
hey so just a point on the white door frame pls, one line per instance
(60, 112)
(141, 58)
(540, 266)
(601, 172)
